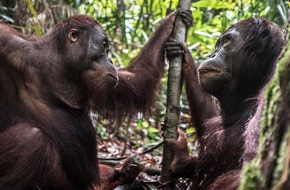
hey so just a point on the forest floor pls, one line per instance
(112, 151)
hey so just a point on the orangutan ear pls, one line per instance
(73, 35)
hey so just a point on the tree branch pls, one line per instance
(173, 97)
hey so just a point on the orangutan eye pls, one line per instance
(106, 45)
(226, 40)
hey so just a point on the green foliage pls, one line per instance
(216, 4)
(211, 18)
(35, 16)
(130, 23)
(151, 132)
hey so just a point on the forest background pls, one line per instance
(129, 24)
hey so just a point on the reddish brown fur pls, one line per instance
(228, 135)
(47, 139)
(137, 83)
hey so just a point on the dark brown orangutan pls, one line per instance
(47, 87)
(236, 73)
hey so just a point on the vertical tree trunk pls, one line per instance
(173, 96)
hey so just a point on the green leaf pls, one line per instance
(33, 12)
(213, 4)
